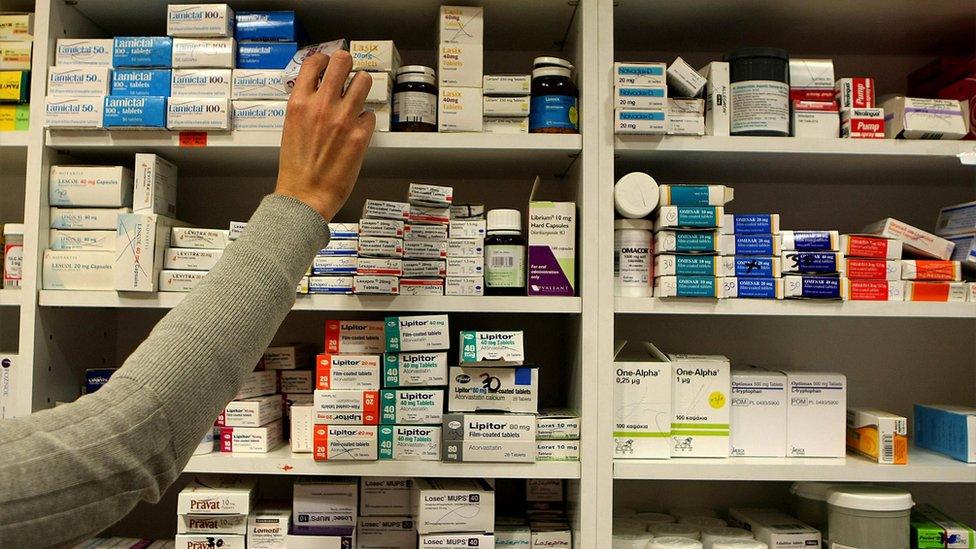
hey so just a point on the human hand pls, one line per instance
(326, 134)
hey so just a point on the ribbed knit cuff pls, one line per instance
(288, 222)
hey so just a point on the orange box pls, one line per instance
(921, 269)
(347, 372)
(935, 291)
(878, 435)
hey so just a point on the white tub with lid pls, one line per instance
(739, 544)
(811, 502)
(675, 530)
(636, 195)
(673, 542)
(635, 540)
(868, 517)
(710, 536)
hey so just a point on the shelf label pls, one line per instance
(193, 139)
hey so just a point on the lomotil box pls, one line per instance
(642, 403)
(700, 406)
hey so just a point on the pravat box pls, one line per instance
(78, 81)
(192, 541)
(251, 412)
(354, 336)
(410, 442)
(758, 413)
(350, 372)
(211, 524)
(816, 414)
(489, 437)
(411, 406)
(913, 239)
(642, 403)
(346, 407)
(700, 405)
(475, 388)
(419, 369)
(217, 495)
(344, 443)
(251, 440)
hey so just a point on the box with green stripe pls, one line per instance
(642, 402)
(410, 442)
(700, 405)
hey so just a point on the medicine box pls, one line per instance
(88, 219)
(415, 369)
(505, 125)
(411, 406)
(421, 286)
(814, 287)
(640, 122)
(295, 63)
(692, 286)
(84, 51)
(344, 443)
(854, 93)
(424, 268)
(935, 291)
(142, 51)
(193, 237)
(750, 224)
(686, 125)
(931, 269)
(91, 186)
(78, 81)
(915, 118)
(946, 429)
(693, 265)
(467, 229)
(476, 388)
(74, 112)
(267, 26)
(325, 507)
(95, 378)
(557, 450)
(300, 432)
(684, 79)
(354, 336)
(198, 113)
(344, 231)
(461, 25)
(367, 266)
(958, 219)
(459, 109)
(14, 118)
(464, 285)
(376, 285)
(380, 532)
(456, 541)
(154, 189)
(423, 249)
(700, 405)
(815, 119)
(695, 195)
(816, 414)
(754, 287)
(965, 249)
(140, 245)
(871, 247)
(337, 247)
(465, 248)
(295, 381)
(296, 541)
(507, 85)
(324, 265)
(16, 26)
(258, 84)
(878, 435)
(211, 524)
(77, 270)
(380, 90)
(430, 195)
(412, 231)
(913, 239)
(777, 530)
(225, 541)
(385, 497)
(385, 209)
(199, 20)
(812, 75)
(552, 248)
(717, 100)
(417, 333)
(758, 413)
(15, 55)
(498, 347)
(812, 262)
(97, 241)
(333, 371)
(410, 442)
(266, 56)
(382, 227)
(217, 495)
(203, 53)
(374, 55)
(346, 407)
(142, 82)
(748, 266)
(465, 266)
(872, 269)
(691, 217)
(201, 83)
(134, 113)
(251, 440)
(287, 357)
(257, 383)
(642, 402)
(489, 437)
(933, 529)
(251, 412)
(862, 123)
(556, 424)
(267, 527)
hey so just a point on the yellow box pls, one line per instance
(14, 118)
(14, 86)
(878, 435)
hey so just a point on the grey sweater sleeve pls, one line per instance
(72, 471)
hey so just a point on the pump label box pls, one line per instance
(410, 442)
(421, 369)
(500, 389)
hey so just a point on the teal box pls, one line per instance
(142, 82)
(134, 113)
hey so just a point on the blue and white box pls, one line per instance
(142, 82)
(78, 81)
(812, 287)
(692, 265)
(95, 378)
(751, 224)
(259, 84)
(811, 241)
(325, 265)
(268, 26)
(200, 20)
(956, 219)
(142, 51)
(689, 217)
(655, 98)
(201, 83)
(330, 284)
(812, 262)
(693, 286)
(639, 74)
(965, 250)
(84, 51)
(640, 122)
(198, 113)
(746, 266)
(134, 113)
(757, 288)
(348, 247)
(259, 115)
(265, 55)
(949, 430)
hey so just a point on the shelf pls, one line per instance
(283, 462)
(446, 304)
(10, 297)
(389, 153)
(923, 466)
(769, 307)
(13, 139)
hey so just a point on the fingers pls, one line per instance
(335, 75)
(355, 96)
(308, 75)
(365, 124)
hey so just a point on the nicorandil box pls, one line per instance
(142, 82)
(134, 113)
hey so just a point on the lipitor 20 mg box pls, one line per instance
(344, 443)
(355, 336)
(346, 407)
(356, 372)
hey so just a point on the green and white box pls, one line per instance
(417, 333)
(642, 403)
(557, 425)
(558, 450)
(411, 406)
(700, 404)
(500, 347)
(410, 442)
(419, 369)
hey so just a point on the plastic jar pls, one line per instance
(13, 255)
(811, 502)
(674, 542)
(415, 99)
(636, 195)
(723, 533)
(650, 518)
(739, 544)
(633, 260)
(760, 91)
(703, 522)
(504, 253)
(555, 98)
(675, 530)
(634, 540)
(868, 517)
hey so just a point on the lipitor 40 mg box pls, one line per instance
(498, 347)
(419, 369)
(411, 406)
(410, 442)
(417, 333)
(489, 437)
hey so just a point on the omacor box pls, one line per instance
(816, 414)
(98, 186)
(489, 437)
(354, 336)
(453, 505)
(417, 369)
(863, 123)
(346, 407)
(257, 383)
(78, 81)
(459, 109)
(327, 507)
(935, 291)
(914, 118)
(74, 112)
(461, 25)
(344, 443)
(410, 442)
(878, 435)
(497, 347)
(356, 372)
(199, 20)
(557, 425)
(476, 388)
(134, 113)
(198, 113)
(374, 55)
(217, 495)
(194, 237)
(417, 333)
(287, 357)
(74, 270)
(154, 186)
(251, 412)
(140, 246)
(913, 239)
(931, 269)
(385, 496)
(871, 247)
(87, 219)
(758, 413)
(411, 406)
(251, 440)
(84, 51)
(211, 524)
(258, 84)
(192, 541)
(700, 406)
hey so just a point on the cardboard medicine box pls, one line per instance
(217, 495)
(642, 402)
(496, 347)
(816, 416)
(410, 442)
(418, 369)
(489, 437)
(758, 413)
(700, 405)
(475, 388)
(353, 372)
(437, 502)
(552, 248)
(878, 435)
(344, 443)
(325, 507)
(417, 333)
(385, 496)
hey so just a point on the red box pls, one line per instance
(965, 91)
(867, 123)
(874, 290)
(855, 93)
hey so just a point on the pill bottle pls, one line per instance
(13, 255)
(760, 91)
(636, 195)
(674, 542)
(504, 253)
(555, 98)
(675, 531)
(415, 99)
(738, 544)
(722, 533)
(868, 517)
(810, 502)
(633, 269)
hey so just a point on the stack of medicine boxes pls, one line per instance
(212, 511)
(266, 42)
(472, 528)
(78, 83)
(460, 68)
(84, 218)
(252, 422)
(425, 236)
(812, 264)
(557, 435)
(204, 54)
(334, 266)
(386, 513)
(141, 83)
(860, 117)
(509, 406)
(938, 278)
(324, 514)
(16, 35)
(548, 525)
(814, 110)
(754, 260)
(640, 98)
(506, 104)
(872, 268)
(686, 109)
(381, 59)
(380, 247)
(688, 243)
(192, 252)
(465, 257)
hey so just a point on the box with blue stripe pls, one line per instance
(640, 122)
(758, 288)
(655, 98)
(142, 82)
(750, 224)
(756, 266)
(476, 388)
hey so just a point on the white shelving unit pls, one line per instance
(894, 354)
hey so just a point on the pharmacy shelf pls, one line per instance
(446, 304)
(10, 297)
(923, 466)
(628, 146)
(392, 153)
(283, 462)
(761, 307)
(13, 139)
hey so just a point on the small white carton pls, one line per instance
(505, 125)
(267, 527)
(251, 412)
(198, 113)
(376, 285)
(700, 406)
(915, 118)
(86, 219)
(418, 369)
(154, 189)
(460, 65)
(413, 231)
(467, 229)
(352, 372)
(421, 286)
(456, 541)
(517, 107)
(257, 383)
(204, 53)
(777, 530)
(639, 74)
(816, 119)
(684, 79)
(344, 443)
(211, 524)
(640, 122)
(259, 84)
(513, 85)
(557, 450)
(417, 333)
(385, 209)
(489, 437)
(190, 259)
(346, 407)
(259, 115)
(381, 227)
(464, 285)
(84, 51)
(195, 237)
(78, 81)
(217, 495)
(140, 246)
(287, 357)
(302, 423)
(957, 219)
(193, 541)
(379, 56)
(461, 25)
(498, 347)
(557, 425)
(354, 336)
(465, 266)
(411, 406)
(430, 195)
(410, 442)
(251, 440)
(199, 20)
(913, 239)
(465, 247)
(717, 100)
(201, 83)
(816, 416)
(98, 186)
(325, 507)
(73, 112)
(295, 381)
(385, 496)
(460, 109)
(78, 270)
(425, 249)
(453, 505)
(758, 413)
(386, 533)
(642, 403)
(94, 241)
(511, 389)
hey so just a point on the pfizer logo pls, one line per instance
(454, 425)
(463, 378)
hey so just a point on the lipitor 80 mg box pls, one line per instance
(344, 443)
(418, 369)
(475, 388)
(355, 336)
(357, 372)
(411, 406)
(417, 333)
(410, 442)
(251, 412)
(453, 505)
(489, 437)
(499, 347)
(700, 406)
(816, 414)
